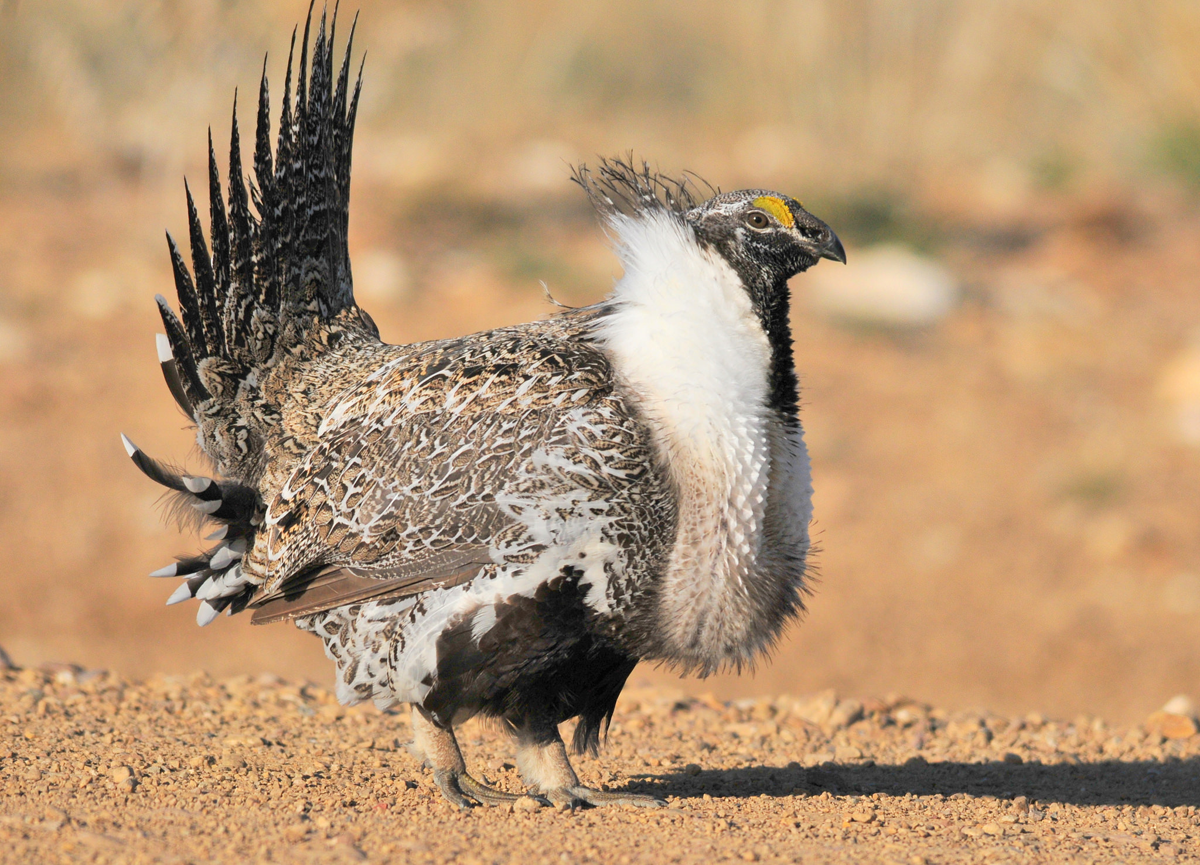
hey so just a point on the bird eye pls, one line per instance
(757, 219)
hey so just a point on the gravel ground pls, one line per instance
(96, 768)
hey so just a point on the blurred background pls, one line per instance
(1001, 389)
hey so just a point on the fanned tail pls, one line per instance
(214, 577)
(269, 285)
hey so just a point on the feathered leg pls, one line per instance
(542, 759)
(439, 749)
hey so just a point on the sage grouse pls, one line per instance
(501, 524)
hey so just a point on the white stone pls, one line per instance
(888, 286)
(1180, 704)
(818, 708)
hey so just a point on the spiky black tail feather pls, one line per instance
(261, 284)
(271, 281)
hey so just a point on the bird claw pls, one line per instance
(447, 781)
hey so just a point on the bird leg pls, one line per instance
(437, 747)
(542, 759)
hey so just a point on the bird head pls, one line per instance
(765, 236)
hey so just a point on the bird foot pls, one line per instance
(573, 797)
(462, 790)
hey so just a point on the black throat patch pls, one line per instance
(764, 281)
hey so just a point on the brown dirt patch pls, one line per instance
(96, 768)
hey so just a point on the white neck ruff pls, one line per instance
(684, 337)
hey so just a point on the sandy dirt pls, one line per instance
(96, 768)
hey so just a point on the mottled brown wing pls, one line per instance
(398, 496)
(332, 586)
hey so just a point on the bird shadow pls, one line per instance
(1171, 782)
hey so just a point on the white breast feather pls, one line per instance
(686, 339)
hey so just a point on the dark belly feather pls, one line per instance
(540, 660)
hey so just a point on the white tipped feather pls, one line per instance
(208, 507)
(197, 485)
(223, 585)
(218, 535)
(219, 559)
(164, 347)
(210, 589)
(237, 578)
(222, 557)
(206, 613)
(166, 571)
(130, 447)
(181, 594)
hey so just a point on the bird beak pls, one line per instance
(833, 249)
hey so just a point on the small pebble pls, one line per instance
(527, 804)
(1171, 725)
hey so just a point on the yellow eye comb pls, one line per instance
(776, 207)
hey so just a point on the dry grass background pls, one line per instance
(1006, 503)
(832, 95)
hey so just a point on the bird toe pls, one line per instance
(447, 782)
(574, 797)
(490, 796)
